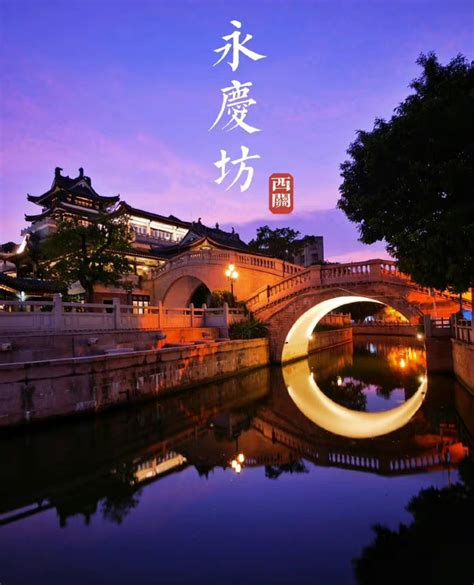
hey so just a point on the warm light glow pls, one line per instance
(231, 272)
(403, 363)
(22, 246)
(419, 335)
(238, 468)
(296, 343)
(338, 419)
(240, 458)
(233, 464)
(339, 381)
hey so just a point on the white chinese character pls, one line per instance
(236, 101)
(237, 48)
(224, 160)
(281, 200)
(281, 183)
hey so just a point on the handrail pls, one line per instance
(242, 259)
(317, 277)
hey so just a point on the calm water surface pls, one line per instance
(156, 494)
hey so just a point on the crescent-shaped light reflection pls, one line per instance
(337, 419)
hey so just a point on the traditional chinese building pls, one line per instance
(157, 238)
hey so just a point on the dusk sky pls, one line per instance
(127, 90)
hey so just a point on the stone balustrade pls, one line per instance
(273, 265)
(35, 316)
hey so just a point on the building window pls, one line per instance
(139, 229)
(140, 302)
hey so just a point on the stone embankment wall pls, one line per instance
(326, 339)
(27, 347)
(463, 362)
(387, 329)
(47, 389)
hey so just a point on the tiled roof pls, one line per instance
(30, 285)
(71, 186)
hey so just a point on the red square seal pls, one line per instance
(281, 193)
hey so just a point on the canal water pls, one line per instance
(235, 482)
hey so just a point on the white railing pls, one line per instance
(316, 277)
(38, 316)
(239, 259)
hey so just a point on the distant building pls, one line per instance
(312, 252)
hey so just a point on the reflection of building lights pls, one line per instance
(238, 462)
(419, 335)
(402, 363)
(339, 381)
(421, 379)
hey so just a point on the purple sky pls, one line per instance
(127, 90)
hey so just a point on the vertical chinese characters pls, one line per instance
(236, 101)
(281, 189)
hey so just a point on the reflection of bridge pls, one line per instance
(204, 429)
(361, 458)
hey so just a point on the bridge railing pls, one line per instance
(55, 316)
(320, 276)
(463, 330)
(239, 259)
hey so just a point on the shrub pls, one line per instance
(248, 329)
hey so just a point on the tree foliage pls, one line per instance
(435, 548)
(248, 329)
(409, 181)
(91, 254)
(283, 243)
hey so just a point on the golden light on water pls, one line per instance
(340, 420)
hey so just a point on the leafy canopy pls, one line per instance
(93, 253)
(280, 243)
(410, 180)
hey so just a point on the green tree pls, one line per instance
(435, 548)
(279, 243)
(409, 181)
(93, 253)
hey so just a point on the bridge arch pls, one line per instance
(180, 292)
(297, 340)
(291, 324)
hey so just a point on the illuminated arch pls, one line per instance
(297, 339)
(337, 419)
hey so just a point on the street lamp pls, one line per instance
(232, 275)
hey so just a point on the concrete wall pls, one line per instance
(57, 388)
(326, 339)
(379, 329)
(439, 357)
(463, 362)
(47, 346)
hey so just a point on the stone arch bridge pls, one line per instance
(292, 299)
(175, 282)
(293, 306)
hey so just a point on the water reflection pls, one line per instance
(228, 460)
(375, 373)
